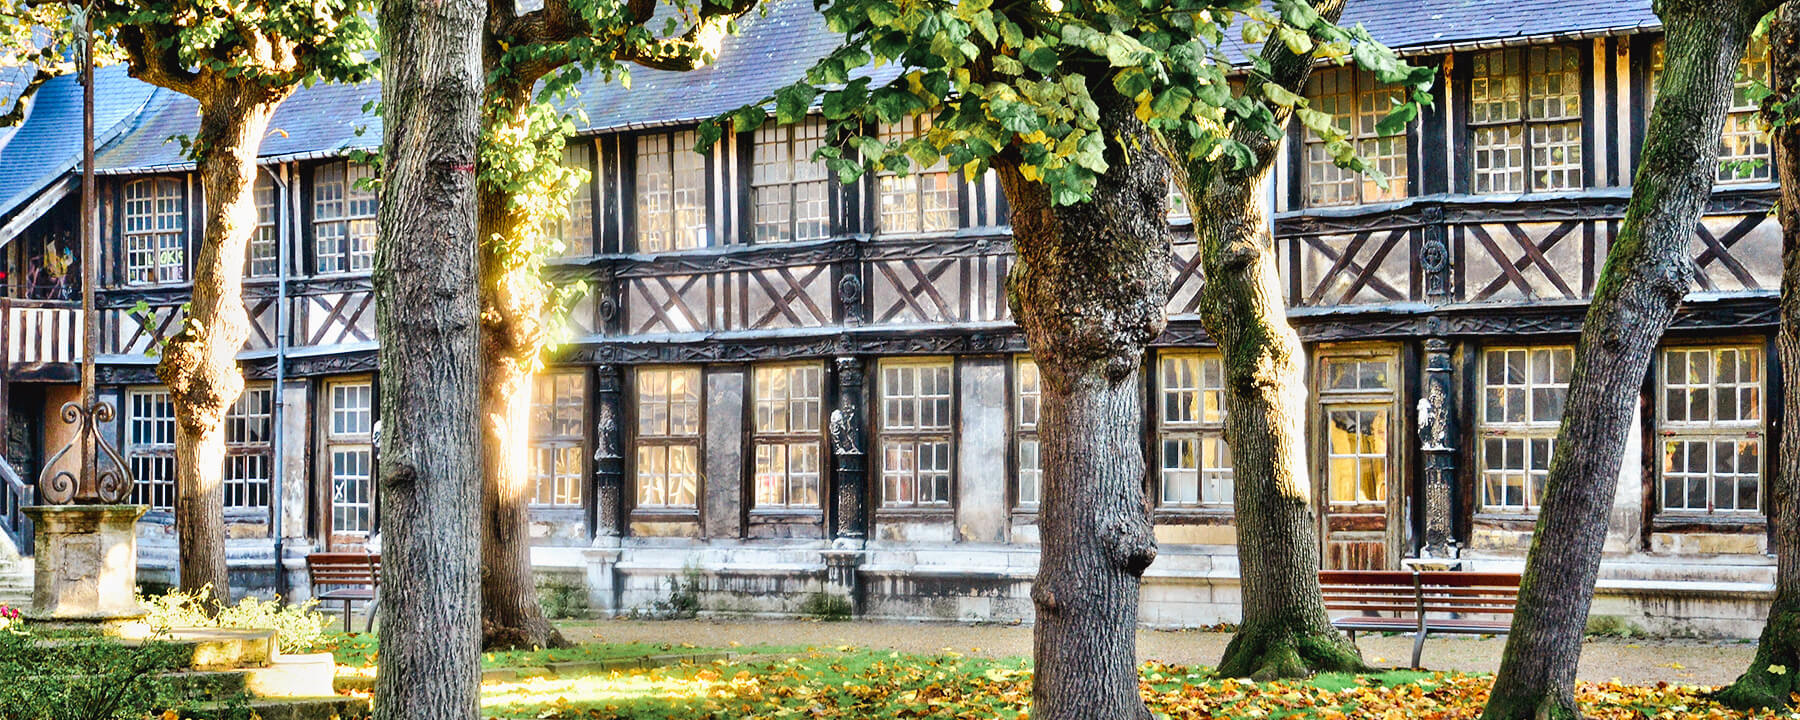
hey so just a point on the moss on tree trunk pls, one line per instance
(1648, 270)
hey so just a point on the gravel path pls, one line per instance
(1633, 661)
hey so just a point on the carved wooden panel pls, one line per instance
(774, 298)
(1734, 253)
(1368, 267)
(336, 318)
(1530, 260)
(936, 290)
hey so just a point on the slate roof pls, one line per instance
(770, 51)
(48, 144)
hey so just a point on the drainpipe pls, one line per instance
(286, 232)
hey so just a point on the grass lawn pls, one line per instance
(847, 683)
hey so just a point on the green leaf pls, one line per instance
(792, 102)
(1044, 59)
(1297, 13)
(1397, 119)
(1281, 96)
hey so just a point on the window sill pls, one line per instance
(915, 513)
(1194, 516)
(665, 515)
(1710, 522)
(775, 515)
(1490, 516)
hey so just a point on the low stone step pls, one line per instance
(321, 708)
(208, 685)
(213, 649)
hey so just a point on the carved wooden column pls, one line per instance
(849, 428)
(608, 518)
(1437, 442)
(609, 454)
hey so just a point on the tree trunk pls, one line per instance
(1779, 646)
(199, 364)
(512, 311)
(427, 311)
(1648, 270)
(1090, 290)
(1284, 631)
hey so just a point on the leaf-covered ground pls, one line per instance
(359, 651)
(865, 684)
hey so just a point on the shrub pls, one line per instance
(684, 597)
(89, 678)
(298, 628)
(562, 599)
(827, 607)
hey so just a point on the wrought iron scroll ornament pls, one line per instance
(112, 485)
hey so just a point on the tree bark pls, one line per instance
(1648, 271)
(1285, 631)
(427, 311)
(1089, 291)
(1779, 645)
(199, 364)
(512, 310)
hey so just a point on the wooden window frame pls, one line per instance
(583, 199)
(1526, 122)
(150, 445)
(350, 440)
(795, 143)
(1027, 399)
(1206, 431)
(249, 449)
(1535, 438)
(668, 440)
(678, 147)
(1742, 113)
(787, 437)
(1712, 430)
(164, 252)
(263, 255)
(353, 252)
(906, 129)
(1361, 133)
(556, 445)
(916, 434)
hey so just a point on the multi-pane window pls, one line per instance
(915, 433)
(1711, 423)
(1743, 145)
(1356, 104)
(1028, 406)
(671, 193)
(265, 243)
(668, 437)
(249, 437)
(1523, 391)
(1525, 119)
(786, 442)
(343, 218)
(155, 227)
(576, 230)
(923, 200)
(150, 447)
(1355, 396)
(790, 191)
(558, 412)
(349, 437)
(1196, 464)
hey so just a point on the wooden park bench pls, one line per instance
(1420, 602)
(348, 577)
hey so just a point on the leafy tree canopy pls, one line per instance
(1018, 76)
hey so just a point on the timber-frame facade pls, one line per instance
(791, 386)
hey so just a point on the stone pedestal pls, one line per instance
(841, 563)
(86, 563)
(602, 576)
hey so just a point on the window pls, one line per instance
(1356, 104)
(915, 433)
(668, 441)
(1523, 390)
(266, 242)
(1743, 146)
(1711, 423)
(671, 193)
(558, 438)
(792, 194)
(249, 436)
(349, 441)
(343, 218)
(1525, 119)
(576, 230)
(921, 201)
(1196, 464)
(155, 232)
(1356, 394)
(786, 444)
(150, 447)
(1027, 406)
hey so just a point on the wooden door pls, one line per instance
(347, 464)
(1357, 427)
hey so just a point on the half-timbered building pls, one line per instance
(778, 385)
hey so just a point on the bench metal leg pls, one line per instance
(374, 601)
(346, 616)
(1418, 647)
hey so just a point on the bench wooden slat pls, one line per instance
(1419, 602)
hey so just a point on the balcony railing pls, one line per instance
(15, 496)
(42, 338)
